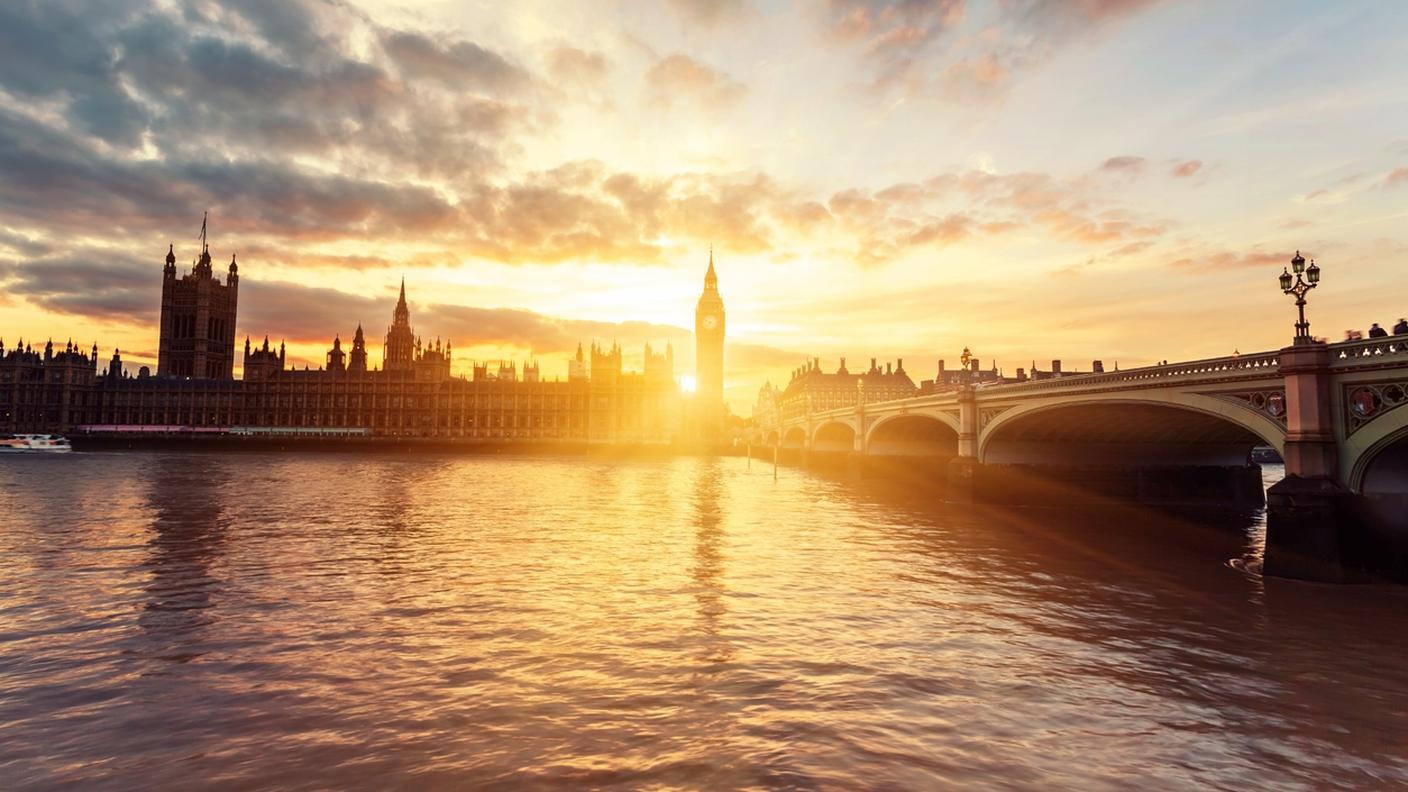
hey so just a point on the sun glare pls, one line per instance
(687, 383)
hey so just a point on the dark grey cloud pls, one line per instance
(22, 243)
(53, 181)
(101, 284)
(458, 64)
(264, 78)
(307, 313)
(56, 51)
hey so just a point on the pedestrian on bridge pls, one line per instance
(1401, 328)
(1377, 332)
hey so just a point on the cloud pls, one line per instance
(710, 12)
(584, 211)
(265, 79)
(307, 127)
(955, 206)
(892, 28)
(89, 282)
(1398, 177)
(1234, 259)
(963, 52)
(891, 36)
(57, 183)
(1186, 168)
(679, 78)
(458, 64)
(304, 314)
(978, 76)
(22, 243)
(1124, 164)
(577, 67)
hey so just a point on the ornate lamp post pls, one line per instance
(965, 359)
(1301, 286)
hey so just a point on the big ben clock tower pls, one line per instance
(709, 356)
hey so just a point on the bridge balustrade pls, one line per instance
(1350, 354)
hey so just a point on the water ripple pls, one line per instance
(312, 622)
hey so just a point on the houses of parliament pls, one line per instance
(412, 393)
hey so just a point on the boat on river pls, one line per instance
(33, 444)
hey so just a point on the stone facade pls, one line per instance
(813, 390)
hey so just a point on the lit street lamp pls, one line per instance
(964, 359)
(1300, 288)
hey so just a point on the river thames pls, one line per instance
(438, 622)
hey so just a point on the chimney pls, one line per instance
(887, 368)
(1021, 375)
(941, 372)
(1098, 366)
(973, 365)
(1055, 367)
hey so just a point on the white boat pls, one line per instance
(33, 444)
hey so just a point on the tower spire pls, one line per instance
(711, 281)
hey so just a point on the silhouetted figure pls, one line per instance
(1354, 335)
(1401, 328)
(1377, 332)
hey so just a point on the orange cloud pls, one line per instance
(1186, 168)
(680, 77)
(1234, 259)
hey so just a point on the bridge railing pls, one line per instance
(1347, 354)
(1258, 364)
(1371, 351)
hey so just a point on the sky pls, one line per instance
(1119, 180)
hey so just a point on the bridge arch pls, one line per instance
(834, 436)
(1147, 430)
(796, 437)
(913, 434)
(770, 438)
(1376, 457)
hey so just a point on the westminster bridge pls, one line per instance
(1167, 432)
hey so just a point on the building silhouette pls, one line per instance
(709, 357)
(413, 394)
(197, 318)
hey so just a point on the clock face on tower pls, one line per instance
(711, 322)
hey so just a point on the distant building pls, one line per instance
(950, 378)
(48, 389)
(413, 394)
(813, 390)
